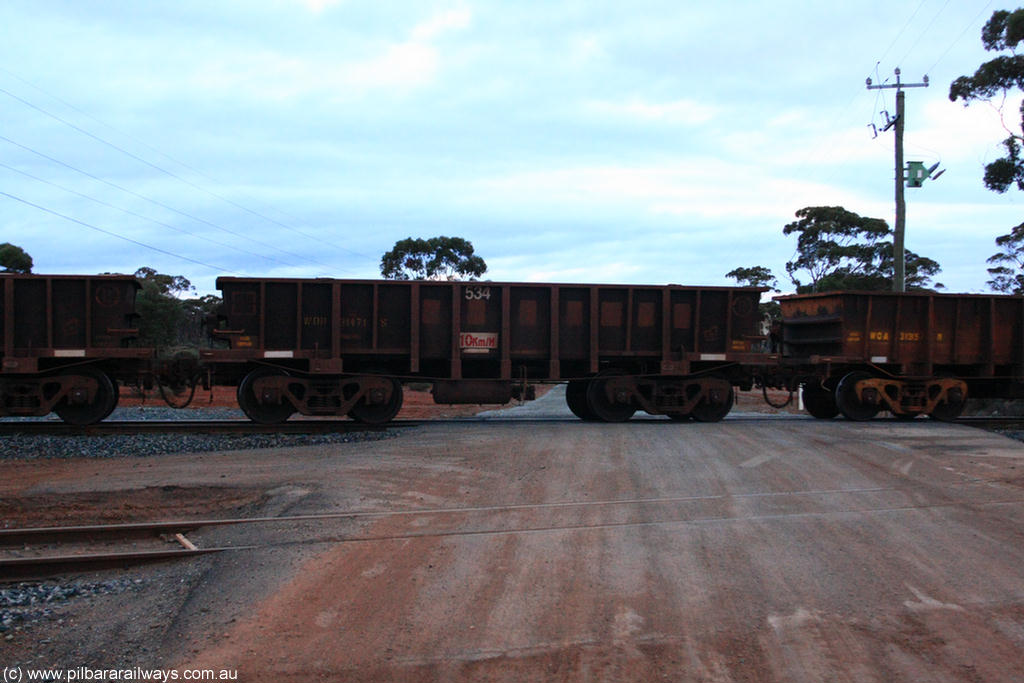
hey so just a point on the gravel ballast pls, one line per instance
(23, 603)
(33, 446)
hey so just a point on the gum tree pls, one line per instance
(437, 258)
(14, 259)
(996, 79)
(838, 249)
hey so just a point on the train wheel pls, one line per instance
(103, 403)
(950, 409)
(819, 402)
(714, 406)
(378, 413)
(263, 413)
(600, 406)
(113, 404)
(850, 406)
(576, 399)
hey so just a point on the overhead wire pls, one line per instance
(114, 234)
(899, 34)
(158, 203)
(169, 173)
(138, 215)
(923, 33)
(962, 34)
(846, 108)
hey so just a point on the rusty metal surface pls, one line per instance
(64, 317)
(20, 569)
(484, 330)
(914, 333)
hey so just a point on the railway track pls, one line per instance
(40, 552)
(53, 427)
(49, 551)
(328, 426)
(997, 422)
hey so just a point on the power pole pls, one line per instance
(899, 261)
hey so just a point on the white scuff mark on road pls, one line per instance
(905, 467)
(782, 622)
(758, 460)
(627, 624)
(326, 618)
(374, 571)
(926, 602)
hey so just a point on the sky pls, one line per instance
(648, 142)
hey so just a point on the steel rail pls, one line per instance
(196, 427)
(46, 566)
(38, 566)
(21, 568)
(21, 536)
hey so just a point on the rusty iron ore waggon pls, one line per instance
(70, 341)
(67, 341)
(859, 353)
(344, 347)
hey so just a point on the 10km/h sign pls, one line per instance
(479, 342)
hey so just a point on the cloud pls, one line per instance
(436, 26)
(318, 6)
(408, 65)
(685, 112)
(698, 186)
(951, 131)
(361, 65)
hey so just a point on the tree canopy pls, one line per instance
(838, 249)
(754, 276)
(437, 258)
(759, 276)
(14, 259)
(1003, 32)
(1007, 271)
(161, 313)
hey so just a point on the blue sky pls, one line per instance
(641, 142)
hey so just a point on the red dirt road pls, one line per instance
(747, 551)
(763, 548)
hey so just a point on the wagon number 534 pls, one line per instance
(478, 292)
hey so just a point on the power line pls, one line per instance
(158, 203)
(138, 215)
(114, 234)
(900, 33)
(167, 172)
(925, 31)
(962, 34)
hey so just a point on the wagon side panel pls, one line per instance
(530, 323)
(243, 314)
(317, 314)
(31, 332)
(394, 315)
